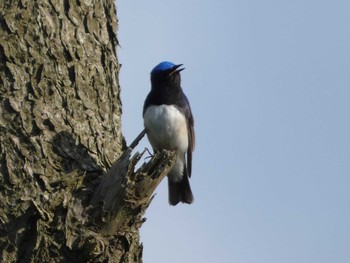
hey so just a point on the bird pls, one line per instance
(169, 125)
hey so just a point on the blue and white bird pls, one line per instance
(169, 125)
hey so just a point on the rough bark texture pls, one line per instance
(60, 132)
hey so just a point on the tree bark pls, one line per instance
(62, 198)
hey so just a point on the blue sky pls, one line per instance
(269, 86)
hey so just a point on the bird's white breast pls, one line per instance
(166, 128)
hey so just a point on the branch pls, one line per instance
(122, 189)
(118, 203)
(137, 140)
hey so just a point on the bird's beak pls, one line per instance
(176, 69)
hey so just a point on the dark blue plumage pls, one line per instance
(169, 123)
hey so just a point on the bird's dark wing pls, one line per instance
(147, 103)
(191, 135)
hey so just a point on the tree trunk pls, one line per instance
(61, 198)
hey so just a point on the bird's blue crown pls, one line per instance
(163, 66)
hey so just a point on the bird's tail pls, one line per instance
(180, 191)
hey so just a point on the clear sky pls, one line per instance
(269, 86)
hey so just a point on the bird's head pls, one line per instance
(166, 72)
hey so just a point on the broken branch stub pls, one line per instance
(123, 190)
(115, 207)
